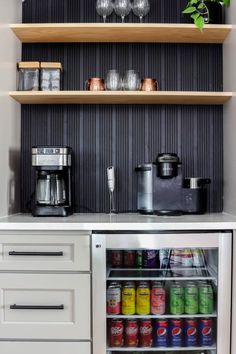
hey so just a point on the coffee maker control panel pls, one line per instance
(51, 156)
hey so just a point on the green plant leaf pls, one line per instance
(199, 22)
(227, 3)
(195, 16)
(201, 6)
(192, 2)
(189, 10)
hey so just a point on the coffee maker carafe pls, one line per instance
(53, 181)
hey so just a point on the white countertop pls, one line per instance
(105, 222)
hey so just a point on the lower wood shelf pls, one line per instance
(121, 97)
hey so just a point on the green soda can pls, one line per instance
(191, 298)
(206, 298)
(176, 299)
(139, 259)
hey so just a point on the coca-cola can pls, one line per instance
(129, 259)
(145, 333)
(131, 333)
(116, 333)
(117, 258)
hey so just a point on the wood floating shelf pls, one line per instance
(121, 97)
(119, 33)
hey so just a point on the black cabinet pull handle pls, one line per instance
(51, 254)
(35, 307)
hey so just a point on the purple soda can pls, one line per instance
(205, 332)
(161, 333)
(150, 258)
(176, 333)
(190, 332)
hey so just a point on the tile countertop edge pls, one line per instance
(121, 222)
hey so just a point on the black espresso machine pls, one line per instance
(162, 190)
(52, 181)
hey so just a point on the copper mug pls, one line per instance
(149, 85)
(95, 84)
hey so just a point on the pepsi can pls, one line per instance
(161, 333)
(176, 333)
(205, 332)
(190, 332)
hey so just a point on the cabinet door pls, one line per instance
(39, 348)
(43, 306)
(52, 251)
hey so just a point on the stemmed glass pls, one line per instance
(141, 8)
(122, 8)
(104, 8)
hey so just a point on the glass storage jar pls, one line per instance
(50, 78)
(28, 76)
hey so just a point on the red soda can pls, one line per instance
(129, 259)
(131, 333)
(117, 258)
(145, 333)
(117, 333)
(158, 299)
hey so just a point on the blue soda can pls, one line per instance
(205, 332)
(161, 333)
(176, 333)
(190, 332)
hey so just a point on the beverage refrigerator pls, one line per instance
(161, 292)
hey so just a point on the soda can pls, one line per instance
(191, 298)
(139, 259)
(143, 299)
(190, 332)
(129, 259)
(205, 332)
(176, 257)
(161, 333)
(198, 258)
(116, 333)
(187, 258)
(114, 299)
(158, 299)
(164, 256)
(176, 299)
(145, 333)
(128, 299)
(117, 258)
(176, 333)
(131, 333)
(206, 298)
(150, 258)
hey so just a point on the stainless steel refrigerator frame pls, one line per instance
(102, 242)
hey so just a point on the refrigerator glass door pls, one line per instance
(162, 293)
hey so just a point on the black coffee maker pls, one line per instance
(167, 186)
(162, 190)
(52, 181)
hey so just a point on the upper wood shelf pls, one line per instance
(118, 32)
(121, 97)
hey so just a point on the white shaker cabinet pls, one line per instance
(45, 306)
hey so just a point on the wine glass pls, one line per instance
(122, 8)
(104, 8)
(141, 8)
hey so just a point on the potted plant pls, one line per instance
(205, 11)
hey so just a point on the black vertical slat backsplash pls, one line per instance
(124, 135)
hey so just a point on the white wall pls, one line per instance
(230, 116)
(230, 145)
(10, 53)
